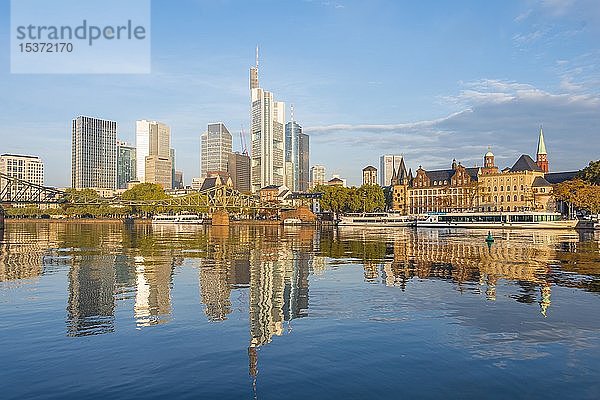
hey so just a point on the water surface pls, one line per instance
(109, 311)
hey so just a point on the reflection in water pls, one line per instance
(153, 291)
(91, 306)
(270, 268)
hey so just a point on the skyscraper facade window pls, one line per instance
(94, 153)
(387, 165)
(216, 148)
(126, 164)
(267, 136)
(153, 150)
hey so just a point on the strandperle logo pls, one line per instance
(85, 31)
(80, 36)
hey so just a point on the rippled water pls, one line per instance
(108, 311)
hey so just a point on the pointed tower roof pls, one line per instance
(394, 180)
(541, 145)
(402, 171)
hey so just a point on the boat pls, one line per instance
(181, 219)
(292, 221)
(501, 220)
(376, 219)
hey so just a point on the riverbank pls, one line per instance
(142, 221)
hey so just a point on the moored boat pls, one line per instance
(292, 221)
(181, 219)
(376, 219)
(498, 220)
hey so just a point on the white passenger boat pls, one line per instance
(292, 221)
(502, 220)
(182, 219)
(376, 219)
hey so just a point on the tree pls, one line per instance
(145, 192)
(591, 173)
(580, 194)
(340, 199)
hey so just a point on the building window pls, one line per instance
(522, 198)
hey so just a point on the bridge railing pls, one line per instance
(18, 191)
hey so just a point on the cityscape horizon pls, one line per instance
(354, 108)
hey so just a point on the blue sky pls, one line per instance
(431, 80)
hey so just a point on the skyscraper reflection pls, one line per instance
(91, 304)
(153, 290)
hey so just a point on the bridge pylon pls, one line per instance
(220, 218)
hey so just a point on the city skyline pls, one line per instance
(455, 79)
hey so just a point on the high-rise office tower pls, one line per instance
(303, 162)
(298, 154)
(387, 165)
(317, 175)
(216, 148)
(27, 168)
(172, 153)
(126, 164)
(153, 148)
(267, 135)
(94, 153)
(292, 130)
(178, 181)
(238, 168)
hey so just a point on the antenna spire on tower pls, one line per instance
(257, 56)
(292, 112)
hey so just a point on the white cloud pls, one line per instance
(503, 114)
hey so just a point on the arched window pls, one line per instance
(501, 199)
(515, 198)
(522, 198)
(495, 199)
(515, 188)
(521, 187)
(495, 188)
(508, 208)
(502, 188)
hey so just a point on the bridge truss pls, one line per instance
(17, 191)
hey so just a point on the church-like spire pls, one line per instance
(542, 155)
(541, 145)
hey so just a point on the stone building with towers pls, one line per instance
(522, 187)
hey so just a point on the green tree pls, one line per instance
(591, 173)
(338, 199)
(146, 192)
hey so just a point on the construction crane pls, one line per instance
(243, 142)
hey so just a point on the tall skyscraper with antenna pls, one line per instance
(296, 156)
(267, 135)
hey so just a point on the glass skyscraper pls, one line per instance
(94, 153)
(216, 148)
